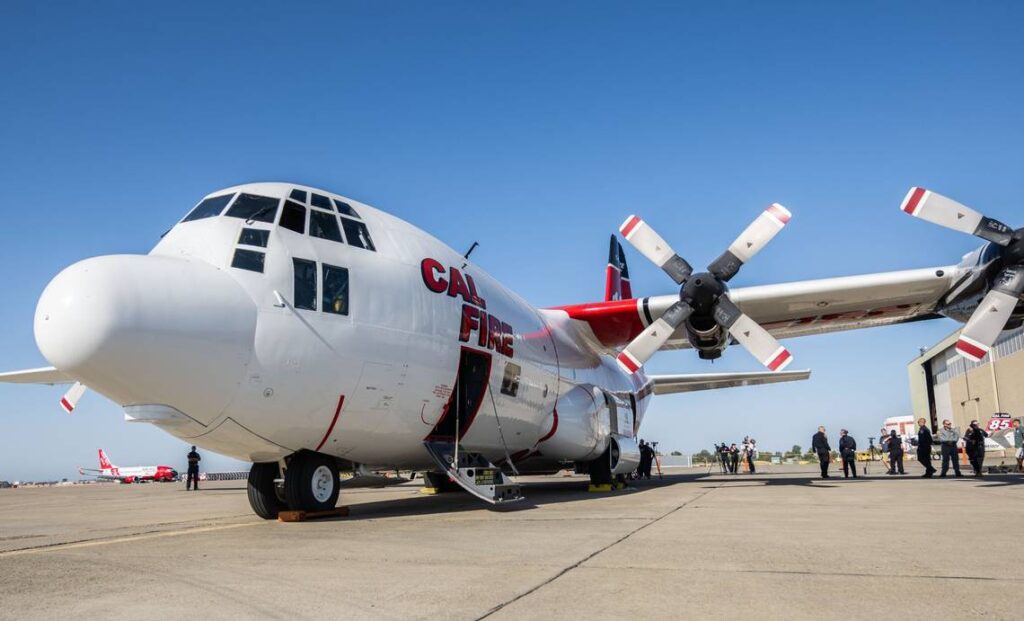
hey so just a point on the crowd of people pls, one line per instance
(892, 445)
(729, 456)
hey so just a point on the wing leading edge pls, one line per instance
(668, 384)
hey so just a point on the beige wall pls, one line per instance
(990, 388)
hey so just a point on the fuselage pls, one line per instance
(277, 318)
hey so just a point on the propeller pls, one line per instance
(706, 293)
(991, 316)
(71, 397)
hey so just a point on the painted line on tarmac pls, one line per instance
(73, 545)
(595, 553)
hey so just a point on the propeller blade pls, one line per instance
(751, 241)
(651, 245)
(938, 209)
(653, 337)
(989, 319)
(751, 335)
(71, 397)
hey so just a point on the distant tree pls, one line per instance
(675, 453)
(704, 455)
(795, 450)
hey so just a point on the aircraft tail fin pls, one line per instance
(105, 461)
(616, 280)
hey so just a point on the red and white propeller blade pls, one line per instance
(71, 397)
(989, 319)
(938, 209)
(651, 245)
(648, 342)
(752, 336)
(751, 241)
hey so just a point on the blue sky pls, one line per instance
(532, 127)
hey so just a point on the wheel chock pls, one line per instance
(600, 488)
(430, 491)
(302, 516)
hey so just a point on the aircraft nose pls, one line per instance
(149, 329)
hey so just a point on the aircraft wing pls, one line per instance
(793, 309)
(44, 375)
(668, 384)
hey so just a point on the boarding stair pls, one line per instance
(474, 473)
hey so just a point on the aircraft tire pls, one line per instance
(311, 482)
(262, 495)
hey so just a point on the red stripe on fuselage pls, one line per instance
(554, 427)
(337, 410)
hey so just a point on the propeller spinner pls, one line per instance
(991, 316)
(706, 293)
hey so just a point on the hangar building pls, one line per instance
(943, 384)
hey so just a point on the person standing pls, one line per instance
(723, 456)
(734, 458)
(644, 466)
(895, 444)
(974, 444)
(924, 448)
(848, 453)
(883, 446)
(751, 454)
(192, 479)
(948, 439)
(1018, 443)
(819, 444)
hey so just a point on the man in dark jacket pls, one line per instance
(819, 444)
(192, 478)
(644, 467)
(924, 448)
(734, 458)
(974, 445)
(895, 444)
(848, 453)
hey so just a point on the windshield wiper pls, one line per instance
(259, 213)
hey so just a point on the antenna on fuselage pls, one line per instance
(469, 252)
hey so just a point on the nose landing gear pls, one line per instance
(310, 484)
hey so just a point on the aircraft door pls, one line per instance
(466, 397)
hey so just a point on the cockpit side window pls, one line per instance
(324, 225)
(293, 217)
(299, 195)
(345, 208)
(251, 207)
(305, 284)
(209, 207)
(335, 298)
(357, 234)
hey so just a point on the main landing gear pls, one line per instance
(310, 484)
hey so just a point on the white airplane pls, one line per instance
(129, 474)
(306, 332)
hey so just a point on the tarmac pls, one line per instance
(780, 544)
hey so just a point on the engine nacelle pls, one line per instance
(583, 426)
(706, 336)
(624, 453)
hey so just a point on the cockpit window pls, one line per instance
(322, 202)
(248, 260)
(293, 217)
(209, 207)
(254, 208)
(324, 225)
(335, 290)
(345, 208)
(305, 284)
(254, 237)
(357, 234)
(299, 195)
